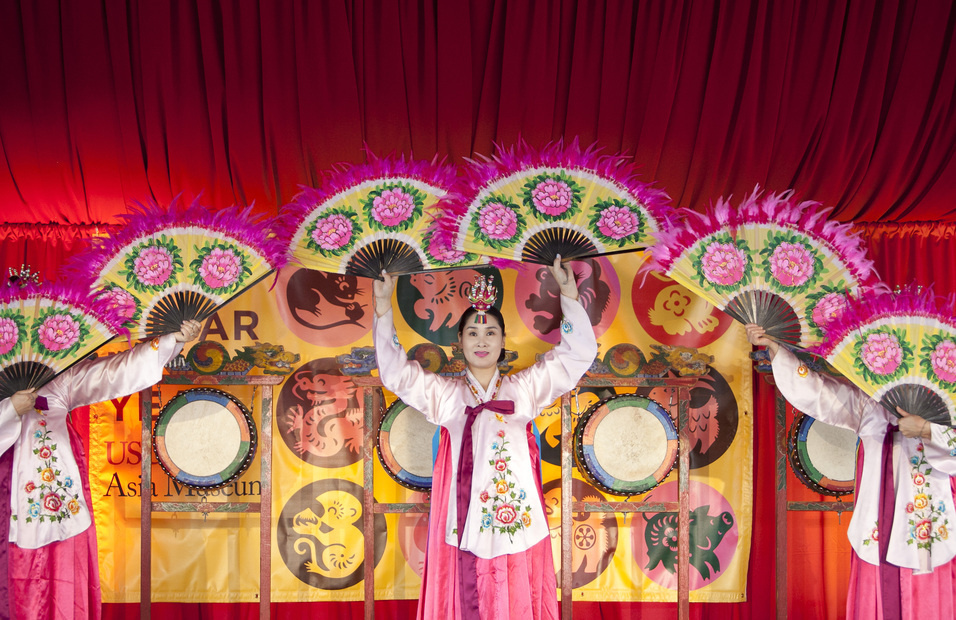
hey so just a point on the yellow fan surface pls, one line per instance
(538, 212)
(381, 223)
(777, 276)
(41, 337)
(907, 361)
(182, 273)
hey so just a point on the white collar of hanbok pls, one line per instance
(480, 394)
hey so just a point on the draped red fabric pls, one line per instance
(849, 103)
(109, 102)
(43, 248)
(922, 253)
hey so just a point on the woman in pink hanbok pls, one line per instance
(489, 553)
(902, 565)
(53, 569)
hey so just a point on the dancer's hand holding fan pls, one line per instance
(771, 261)
(166, 266)
(900, 348)
(367, 218)
(532, 205)
(45, 329)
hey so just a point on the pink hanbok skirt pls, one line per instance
(930, 596)
(61, 580)
(519, 585)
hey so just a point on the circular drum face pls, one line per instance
(405, 446)
(626, 444)
(204, 438)
(822, 456)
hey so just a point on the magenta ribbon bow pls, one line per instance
(467, 562)
(889, 574)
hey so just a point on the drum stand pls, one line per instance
(262, 393)
(681, 385)
(783, 505)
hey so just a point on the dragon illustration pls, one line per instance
(211, 357)
(325, 418)
(273, 359)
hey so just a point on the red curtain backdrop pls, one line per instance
(108, 102)
(849, 103)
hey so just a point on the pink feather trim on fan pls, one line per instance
(143, 219)
(775, 208)
(345, 176)
(771, 260)
(75, 295)
(882, 303)
(485, 175)
(363, 218)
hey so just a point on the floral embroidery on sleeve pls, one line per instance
(49, 498)
(927, 520)
(566, 326)
(503, 508)
(874, 536)
(950, 436)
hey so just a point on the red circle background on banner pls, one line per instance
(671, 314)
(538, 305)
(324, 309)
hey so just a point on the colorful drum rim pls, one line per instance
(798, 454)
(585, 448)
(239, 461)
(386, 456)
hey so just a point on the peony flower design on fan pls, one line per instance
(938, 359)
(219, 268)
(441, 254)
(121, 301)
(723, 264)
(615, 222)
(555, 196)
(883, 355)
(394, 206)
(58, 333)
(11, 331)
(151, 265)
(499, 222)
(791, 262)
(826, 306)
(333, 233)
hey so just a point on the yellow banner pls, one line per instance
(313, 329)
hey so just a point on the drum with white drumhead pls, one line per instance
(405, 446)
(204, 438)
(822, 456)
(626, 444)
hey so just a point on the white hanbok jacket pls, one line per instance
(506, 512)
(921, 536)
(46, 492)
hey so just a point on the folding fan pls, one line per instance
(527, 205)
(772, 261)
(45, 329)
(371, 217)
(165, 266)
(900, 348)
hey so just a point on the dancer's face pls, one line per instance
(482, 343)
